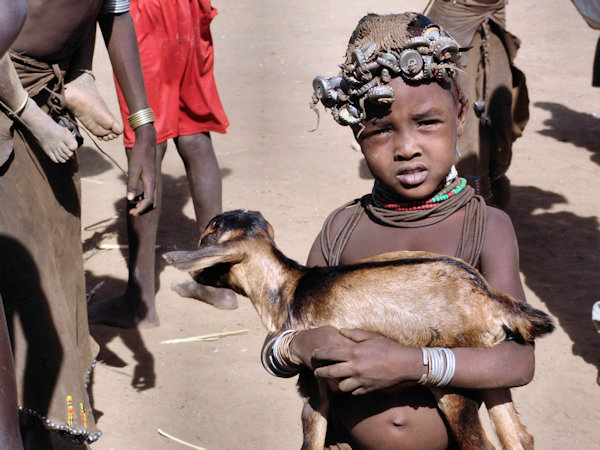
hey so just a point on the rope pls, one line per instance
(472, 233)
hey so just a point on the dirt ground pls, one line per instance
(215, 394)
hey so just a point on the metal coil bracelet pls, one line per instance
(141, 117)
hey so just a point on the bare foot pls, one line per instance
(84, 101)
(56, 141)
(119, 312)
(219, 298)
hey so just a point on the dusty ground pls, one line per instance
(216, 394)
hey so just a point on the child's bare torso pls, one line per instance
(371, 239)
(409, 418)
(54, 29)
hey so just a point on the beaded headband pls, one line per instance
(370, 66)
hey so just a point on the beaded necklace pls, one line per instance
(381, 200)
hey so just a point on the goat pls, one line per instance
(416, 298)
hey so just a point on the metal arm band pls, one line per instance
(141, 117)
(115, 7)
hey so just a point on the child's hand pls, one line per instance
(369, 363)
(306, 341)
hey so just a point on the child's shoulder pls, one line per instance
(498, 221)
(342, 215)
(500, 237)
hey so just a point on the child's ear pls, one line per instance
(462, 118)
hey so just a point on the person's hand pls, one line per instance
(142, 170)
(369, 362)
(306, 341)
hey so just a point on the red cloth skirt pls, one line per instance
(177, 57)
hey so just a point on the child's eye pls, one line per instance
(430, 122)
(376, 132)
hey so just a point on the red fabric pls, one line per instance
(177, 60)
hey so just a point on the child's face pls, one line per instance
(410, 146)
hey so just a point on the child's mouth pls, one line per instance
(412, 177)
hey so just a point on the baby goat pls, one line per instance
(416, 298)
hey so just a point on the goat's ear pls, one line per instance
(192, 261)
(270, 231)
(269, 228)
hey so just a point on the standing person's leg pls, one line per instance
(203, 175)
(204, 179)
(137, 307)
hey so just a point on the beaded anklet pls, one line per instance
(381, 202)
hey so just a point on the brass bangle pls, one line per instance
(21, 108)
(141, 117)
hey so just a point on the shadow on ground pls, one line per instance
(567, 125)
(560, 258)
(176, 231)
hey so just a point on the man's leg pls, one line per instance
(137, 307)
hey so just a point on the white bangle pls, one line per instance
(272, 361)
(441, 366)
(276, 344)
(423, 378)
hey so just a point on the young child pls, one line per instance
(399, 94)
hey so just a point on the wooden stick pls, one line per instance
(167, 435)
(206, 337)
(116, 246)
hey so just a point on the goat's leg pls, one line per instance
(314, 418)
(462, 416)
(511, 432)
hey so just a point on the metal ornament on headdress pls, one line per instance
(367, 72)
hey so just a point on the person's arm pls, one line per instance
(119, 34)
(372, 362)
(81, 62)
(12, 19)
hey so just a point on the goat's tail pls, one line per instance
(529, 322)
(503, 416)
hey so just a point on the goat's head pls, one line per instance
(228, 240)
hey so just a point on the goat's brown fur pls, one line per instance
(415, 298)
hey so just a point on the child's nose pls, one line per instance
(405, 148)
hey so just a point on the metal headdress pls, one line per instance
(381, 48)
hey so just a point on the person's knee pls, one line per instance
(195, 145)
